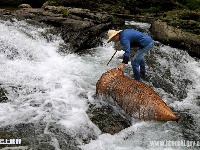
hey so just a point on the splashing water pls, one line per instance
(44, 86)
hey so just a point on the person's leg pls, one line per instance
(141, 52)
(138, 62)
(136, 69)
(142, 66)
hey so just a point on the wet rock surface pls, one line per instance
(80, 28)
(108, 118)
(177, 38)
(3, 97)
(42, 136)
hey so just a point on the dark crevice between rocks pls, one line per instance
(3, 97)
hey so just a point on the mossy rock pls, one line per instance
(65, 12)
(186, 20)
(184, 14)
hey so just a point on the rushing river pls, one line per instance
(51, 92)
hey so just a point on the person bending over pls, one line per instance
(129, 38)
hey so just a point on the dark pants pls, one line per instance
(138, 61)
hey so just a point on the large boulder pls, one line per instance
(80, 28)
(175, 37)
(108, 117)
(41, 135)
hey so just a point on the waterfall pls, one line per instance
(49, 92)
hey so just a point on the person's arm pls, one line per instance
(126, 45)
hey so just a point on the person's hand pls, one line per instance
(121, 66)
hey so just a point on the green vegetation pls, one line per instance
(10, 2)
(198, 37)
(53, 3)
(184, 14)
(151, 5)
(16, 3)
(65, 12)
(188, 20)
(190, 4)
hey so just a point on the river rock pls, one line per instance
(42, 135)
(24, 6)
(80, 28)
(175, 37)
(109, 117)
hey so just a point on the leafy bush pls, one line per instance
(154, 9)
(193, 4)
(190, 4)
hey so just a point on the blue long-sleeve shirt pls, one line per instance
(133, 37)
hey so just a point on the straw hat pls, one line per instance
(112, 33)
